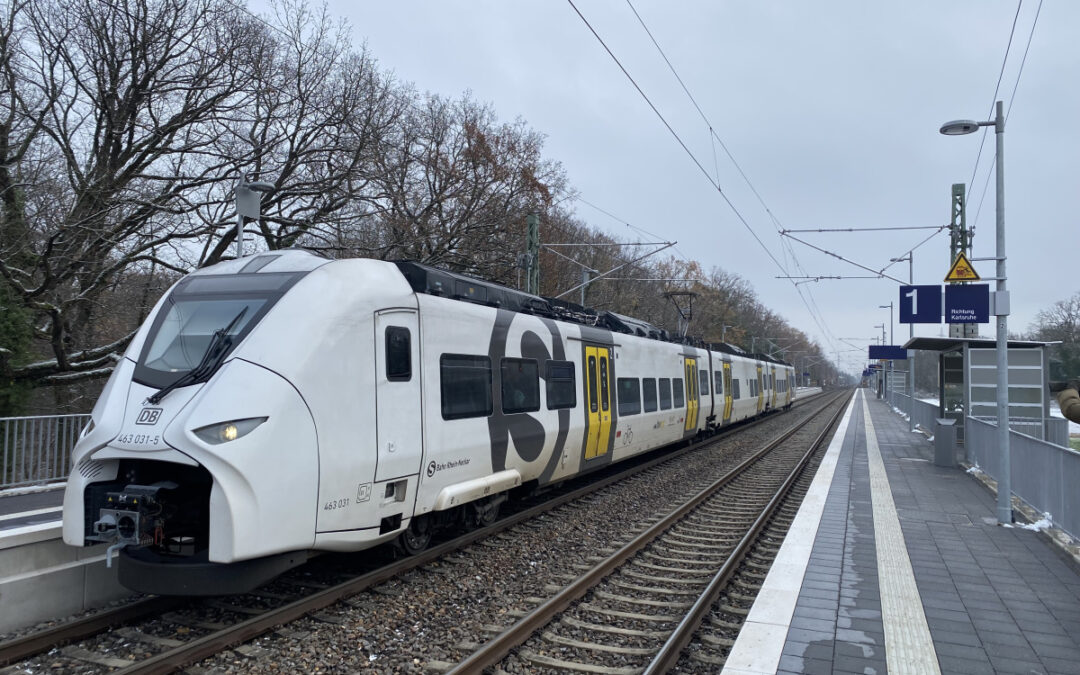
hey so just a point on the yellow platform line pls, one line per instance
(908, 645)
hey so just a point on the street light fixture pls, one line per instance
(1001, 308)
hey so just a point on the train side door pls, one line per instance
(398, 429)
(728, 400)
(692, 401)
(772, 385)
(760, 391)
(598, 403)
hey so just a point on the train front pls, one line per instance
(195, 460)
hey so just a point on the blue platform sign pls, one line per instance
(887, 352)
(920, 304)
(969, 303)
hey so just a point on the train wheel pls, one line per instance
(485, 511)
(416, 536)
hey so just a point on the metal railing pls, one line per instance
(36, 450)
(1044, 475)
(925, 414)
(1052, 430)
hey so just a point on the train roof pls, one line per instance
(434, 281)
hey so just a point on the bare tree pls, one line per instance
(456, 183)
(107, 127)
(1061, 323)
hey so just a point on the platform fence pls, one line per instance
(36, 450)
(925, 414)
(1043, 474)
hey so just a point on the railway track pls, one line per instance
(183, 632)
(636, 610)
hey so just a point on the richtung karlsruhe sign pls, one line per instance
(969, 303)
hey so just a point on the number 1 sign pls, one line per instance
(920, 304)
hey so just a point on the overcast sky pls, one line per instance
(832, 110)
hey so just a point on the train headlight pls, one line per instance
(223, 432)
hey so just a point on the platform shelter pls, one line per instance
(967, 384)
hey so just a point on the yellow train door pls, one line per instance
(772, 385)
(598, 399)
(692, 399)
(760, 392)
(728, 400)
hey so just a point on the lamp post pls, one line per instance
(881, 373)
(1001, 308)
(891, 381)
(910, 257)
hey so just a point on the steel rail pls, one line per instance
(17, 649)
(669, 654)
(496, 649)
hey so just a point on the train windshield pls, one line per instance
(199, 307)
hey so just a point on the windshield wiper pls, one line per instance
(211, 360)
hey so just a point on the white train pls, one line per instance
(285, 403)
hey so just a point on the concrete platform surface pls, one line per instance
(20, 507)
(908, 571)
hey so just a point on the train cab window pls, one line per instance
(398, 354)
(703, 380)
(628, 389)
(677, 391)
(665, 393)
(520, 385)
(718, 384)
(648, 394)
(465, 386)
(734, 388)
(561, 387)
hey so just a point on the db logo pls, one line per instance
(148, 416)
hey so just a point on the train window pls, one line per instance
(604, 396)
(520, 385)
(561, 388)
(704, 380)
(628, 390)
(665, 393)
(677, 391)
(398, 354)
(734, 388)
(719, 382)
(592, 384)
(648, 393)
(465, 385)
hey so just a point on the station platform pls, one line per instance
(21, 507)
(896, 565)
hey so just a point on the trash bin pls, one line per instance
(945, 442)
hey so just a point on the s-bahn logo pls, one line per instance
(148, 416)
(440, 466)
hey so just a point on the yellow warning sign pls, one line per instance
(962, 270)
